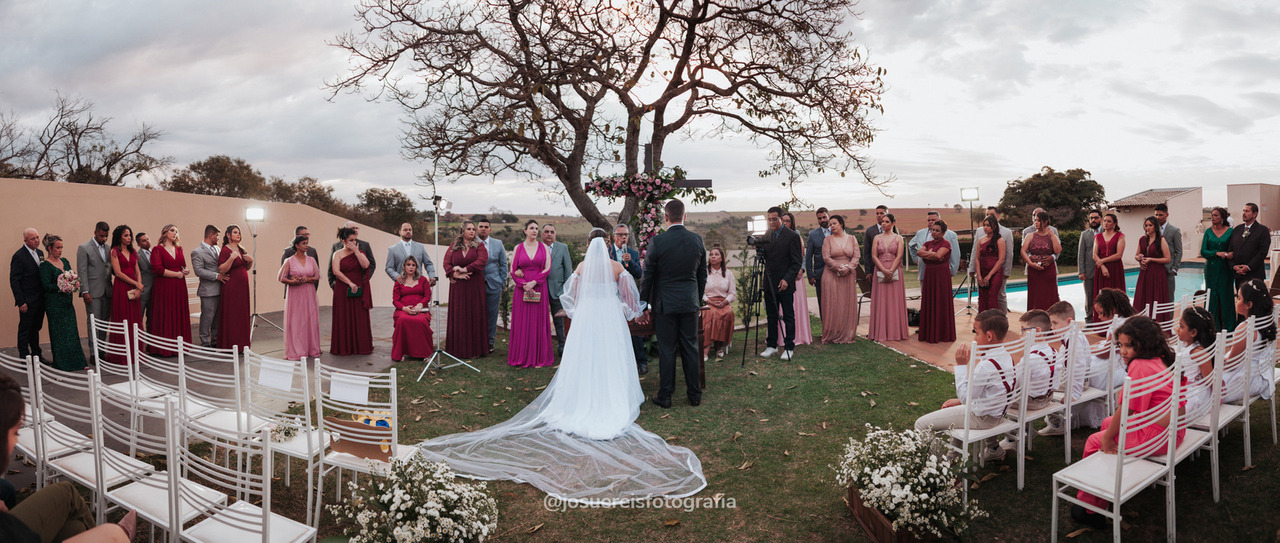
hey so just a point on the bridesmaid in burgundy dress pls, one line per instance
(412, 335)
(234, 326)
(1153, 280)
(1038, 251)
(467, 331)
(170, 310)
(351, 332)
(991, 251)
(1108, 250)
(937, 312)
(126, 291)
(531, 345)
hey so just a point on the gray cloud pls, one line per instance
(1197, 109)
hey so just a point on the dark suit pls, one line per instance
(813, 264)
(675, 275)
(24, 280)
(867, 238)
(1250, 250)
(782, 261)
(364, 248)
(634, 268)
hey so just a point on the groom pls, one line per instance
(675, 275)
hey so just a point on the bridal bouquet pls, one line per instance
(282, 433)
(898, 474)
(69, 282)
(416, 500)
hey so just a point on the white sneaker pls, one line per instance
(1009, 444)
(989, 455)
(786, 355)
(768, 352)
(1052, 430)
(720, 354)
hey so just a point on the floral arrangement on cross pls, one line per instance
(652, 190)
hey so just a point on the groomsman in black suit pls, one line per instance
(675, 276)
(28, 295)
(782, 261)
(1250, 242)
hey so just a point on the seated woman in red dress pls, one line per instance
(411, 295)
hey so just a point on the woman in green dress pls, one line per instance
(64, 333)
(1217, 269)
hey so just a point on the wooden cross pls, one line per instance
(683, 183)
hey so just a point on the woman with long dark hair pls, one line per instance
(531, 344)
(351, 332)
(301, 273)
(937, 312)
(1254, 300)
(719, 296)
(839, 284)
(888, 318)
(467, 332)
(1153, 280)
(991, 251)
(126, 288)
(234, 326)
(1215, 248)
(1108, 254)
(411, 297)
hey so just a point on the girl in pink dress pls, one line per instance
(300, 273)
(531, 341)
(888, 290)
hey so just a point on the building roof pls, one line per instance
(1151, 197)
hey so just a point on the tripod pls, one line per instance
(255, 317)
(968, 304)
(437, 358)
(755, 298)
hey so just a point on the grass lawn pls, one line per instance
(767, 434)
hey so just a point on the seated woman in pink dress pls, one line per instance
(888, 288)
(411, 296)
(1146, 352)
(301, 273)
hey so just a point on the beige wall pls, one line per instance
(1265, 195)
(1130, 221)
(71, 210)
(1184, 212)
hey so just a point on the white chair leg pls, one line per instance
(1273, 419)
(1023, 444)
(287, 469)
(1213, 467)
(1053, 517)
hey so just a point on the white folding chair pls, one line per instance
(274, 385)
(1210, 386)
(1201, 299)
(1235, 373)
(145, 491)
(1071, 362)
(71, 454)
(1020, 413)
(1166, 314)
(20, 370)
(102, 348)
(1100, 366)
(161, 375)
(218, 397)
(346, 396)
(239, 520)
(1011, 379)
(1117, 478)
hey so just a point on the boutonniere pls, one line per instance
(1246, 233)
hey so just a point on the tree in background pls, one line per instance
(529, 86)
(1066, 196)
(386, 209)
(220, 175)
(75, 146)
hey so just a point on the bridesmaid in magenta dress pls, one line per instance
(991, 251)
(530, 326)
(124, 308)
(1038, 251)
(351, 332)
(800, 302)
(170, 310)
(888, 288)
(1153, 280)
(467, 331)
(234, 322)
(937, 312)
(1108, 250)
(410, 296)
(301, 274)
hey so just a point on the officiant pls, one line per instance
(782, 260)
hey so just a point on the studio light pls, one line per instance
(757, 225)
(255, 214)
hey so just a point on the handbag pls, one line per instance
(533, 296)
(134, 294)
(881, 277)
(355, 292)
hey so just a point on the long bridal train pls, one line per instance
(578, 440)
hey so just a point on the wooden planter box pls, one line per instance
(876, 526)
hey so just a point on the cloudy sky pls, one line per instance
(1142, 94)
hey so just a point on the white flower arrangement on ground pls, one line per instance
(898, 474)
(416, 500)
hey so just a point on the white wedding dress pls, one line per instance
(578, 440)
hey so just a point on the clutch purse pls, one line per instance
(134, 294)
(881, 277)
(532, 296)
(355, 292)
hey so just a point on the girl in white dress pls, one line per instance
(1196, 332)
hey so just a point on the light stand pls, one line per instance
(440, 204)
(970, 195)
(254, 215)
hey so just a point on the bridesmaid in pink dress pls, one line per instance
(300, 273)
(531, 341)
(888, 288)
(124, 268)
(804, 333)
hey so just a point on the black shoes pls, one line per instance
(694, 402)
(643, 368)
(1083, 517)
(665, 404)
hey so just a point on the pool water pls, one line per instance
(1190, 280)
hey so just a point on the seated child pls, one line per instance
(1196, 332)
(1062, 315)
(1253, 300)
(1041, 371)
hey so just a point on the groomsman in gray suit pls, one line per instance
(561, 269)
(93, 265)
(813, 263)
(204, 259)
(495, 275)
(398, 253)
(144, 270)
(1173, 237)
(1084, 256)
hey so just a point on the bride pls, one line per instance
(578, 440)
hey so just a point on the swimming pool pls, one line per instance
(1190, 279)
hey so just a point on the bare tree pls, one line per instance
(15, 148)
(538, 86)
(74, 146)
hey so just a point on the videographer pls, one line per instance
(783, 258)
